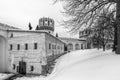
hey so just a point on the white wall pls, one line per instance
(4, 60)
(53, 41)
(31, 56)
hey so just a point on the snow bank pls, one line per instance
(31, 78)
(85, 65)
(3, 76)
(80, 55)
(76, 57)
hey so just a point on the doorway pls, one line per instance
(22, 67)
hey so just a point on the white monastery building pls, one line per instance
(29, 51)
(74, 44)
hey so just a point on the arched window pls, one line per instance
(70, 47)
(77, 47)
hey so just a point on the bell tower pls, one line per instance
(46, 24)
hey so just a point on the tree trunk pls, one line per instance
(103, 47)
(118, 26)
(115, 38)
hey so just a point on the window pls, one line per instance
(49, 46)
(18, 47)
(55, 46)
(14, 66)
(81, 46)
(52, 52)
(11, 46)
(32, 68)
(11, 35)
(26, 46)
(35, 45)
(52, 46)
(76, 46)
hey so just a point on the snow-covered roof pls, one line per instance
(7, 27)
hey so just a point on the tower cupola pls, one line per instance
(46, 24)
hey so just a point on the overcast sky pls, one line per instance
(19, 13)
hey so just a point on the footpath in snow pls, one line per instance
(85, 65)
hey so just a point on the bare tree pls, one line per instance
(103, 32)
(84, 13)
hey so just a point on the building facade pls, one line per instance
(29, 50)
(73, 44)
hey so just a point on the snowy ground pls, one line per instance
(85, 65)
(3, 76)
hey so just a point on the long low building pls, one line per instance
(73, 44)
(29, 50)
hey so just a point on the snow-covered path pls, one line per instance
(3, 76)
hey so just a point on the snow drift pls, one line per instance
(85, 65)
